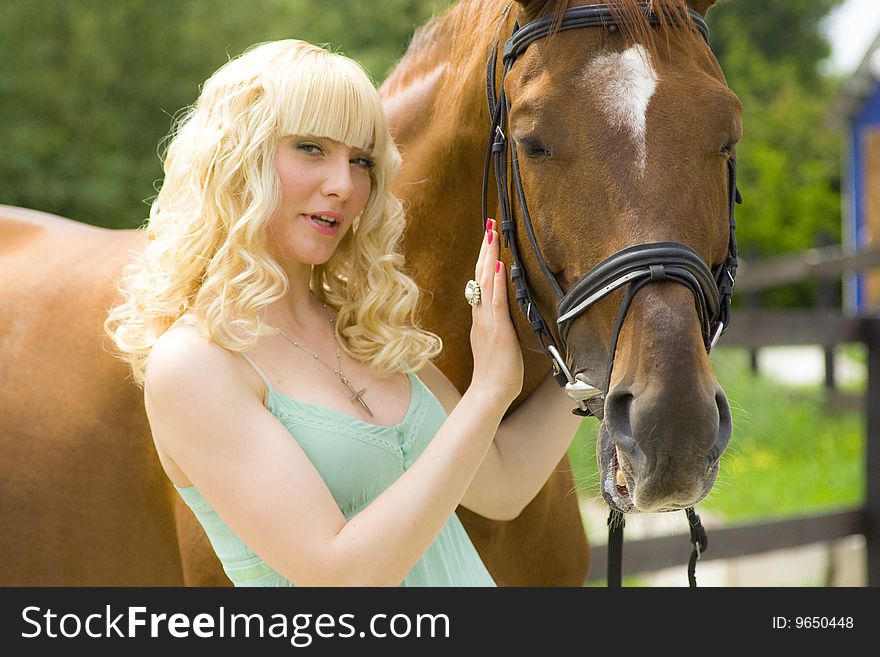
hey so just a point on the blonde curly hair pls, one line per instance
(206, 235)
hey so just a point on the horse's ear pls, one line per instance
(701, 6)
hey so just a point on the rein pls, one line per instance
(633, 267)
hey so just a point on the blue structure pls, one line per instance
(858, 110)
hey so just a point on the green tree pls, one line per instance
(89, 87)
(789, 158)
(788, 34)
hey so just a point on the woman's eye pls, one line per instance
(364, 162)
(309, 147)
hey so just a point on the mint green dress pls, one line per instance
(357, 461)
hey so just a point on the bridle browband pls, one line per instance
(633, 267)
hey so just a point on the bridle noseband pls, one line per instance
(633, 267)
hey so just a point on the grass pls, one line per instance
(790, 454)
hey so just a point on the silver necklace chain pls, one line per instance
(357, 396)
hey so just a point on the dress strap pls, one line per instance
(260, 372)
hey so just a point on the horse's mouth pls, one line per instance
(619, 481)
(616, 481)
(618, 477)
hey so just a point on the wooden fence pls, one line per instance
(752, 329)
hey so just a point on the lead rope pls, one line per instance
(699, 540)
(616, 523)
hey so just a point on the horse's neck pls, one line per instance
(435, 100)
(436, 104)
(436, 85)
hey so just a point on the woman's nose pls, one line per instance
(338, 181)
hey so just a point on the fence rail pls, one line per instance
(821, 263)
(648, 555)
(752, 329)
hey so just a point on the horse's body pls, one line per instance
(83, 500)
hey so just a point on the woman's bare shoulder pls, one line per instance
(182, 351)
(185, 361)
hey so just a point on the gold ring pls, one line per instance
(472, 292)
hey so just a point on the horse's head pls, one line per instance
(624, 134)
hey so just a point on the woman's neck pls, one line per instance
(299, 310)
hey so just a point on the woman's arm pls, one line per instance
(214, 428)
(529, 444)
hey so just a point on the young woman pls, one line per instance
(289, 390)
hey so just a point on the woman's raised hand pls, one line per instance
(498, 364)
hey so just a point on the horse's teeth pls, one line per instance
(621, 480)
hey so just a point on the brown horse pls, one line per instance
(623, 139)
(623, 135)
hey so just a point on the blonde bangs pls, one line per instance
(333, 97)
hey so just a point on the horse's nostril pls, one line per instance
(618, 419)
(617, 413)
(725, 423)
(723, 405)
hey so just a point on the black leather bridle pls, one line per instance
(633, 267)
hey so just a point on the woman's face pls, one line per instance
(325, 185)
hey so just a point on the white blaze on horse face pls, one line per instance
(625, 82)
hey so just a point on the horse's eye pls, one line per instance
(729, 148)
(533, 148)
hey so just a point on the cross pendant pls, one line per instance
(357, 397)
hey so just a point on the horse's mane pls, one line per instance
(633, 24)
(474, 26)
(477, 22)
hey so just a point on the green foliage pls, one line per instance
(89, 87)
(789, 158)
(789, 454)
(787, 34)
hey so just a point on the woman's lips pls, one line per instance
(314, 221)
